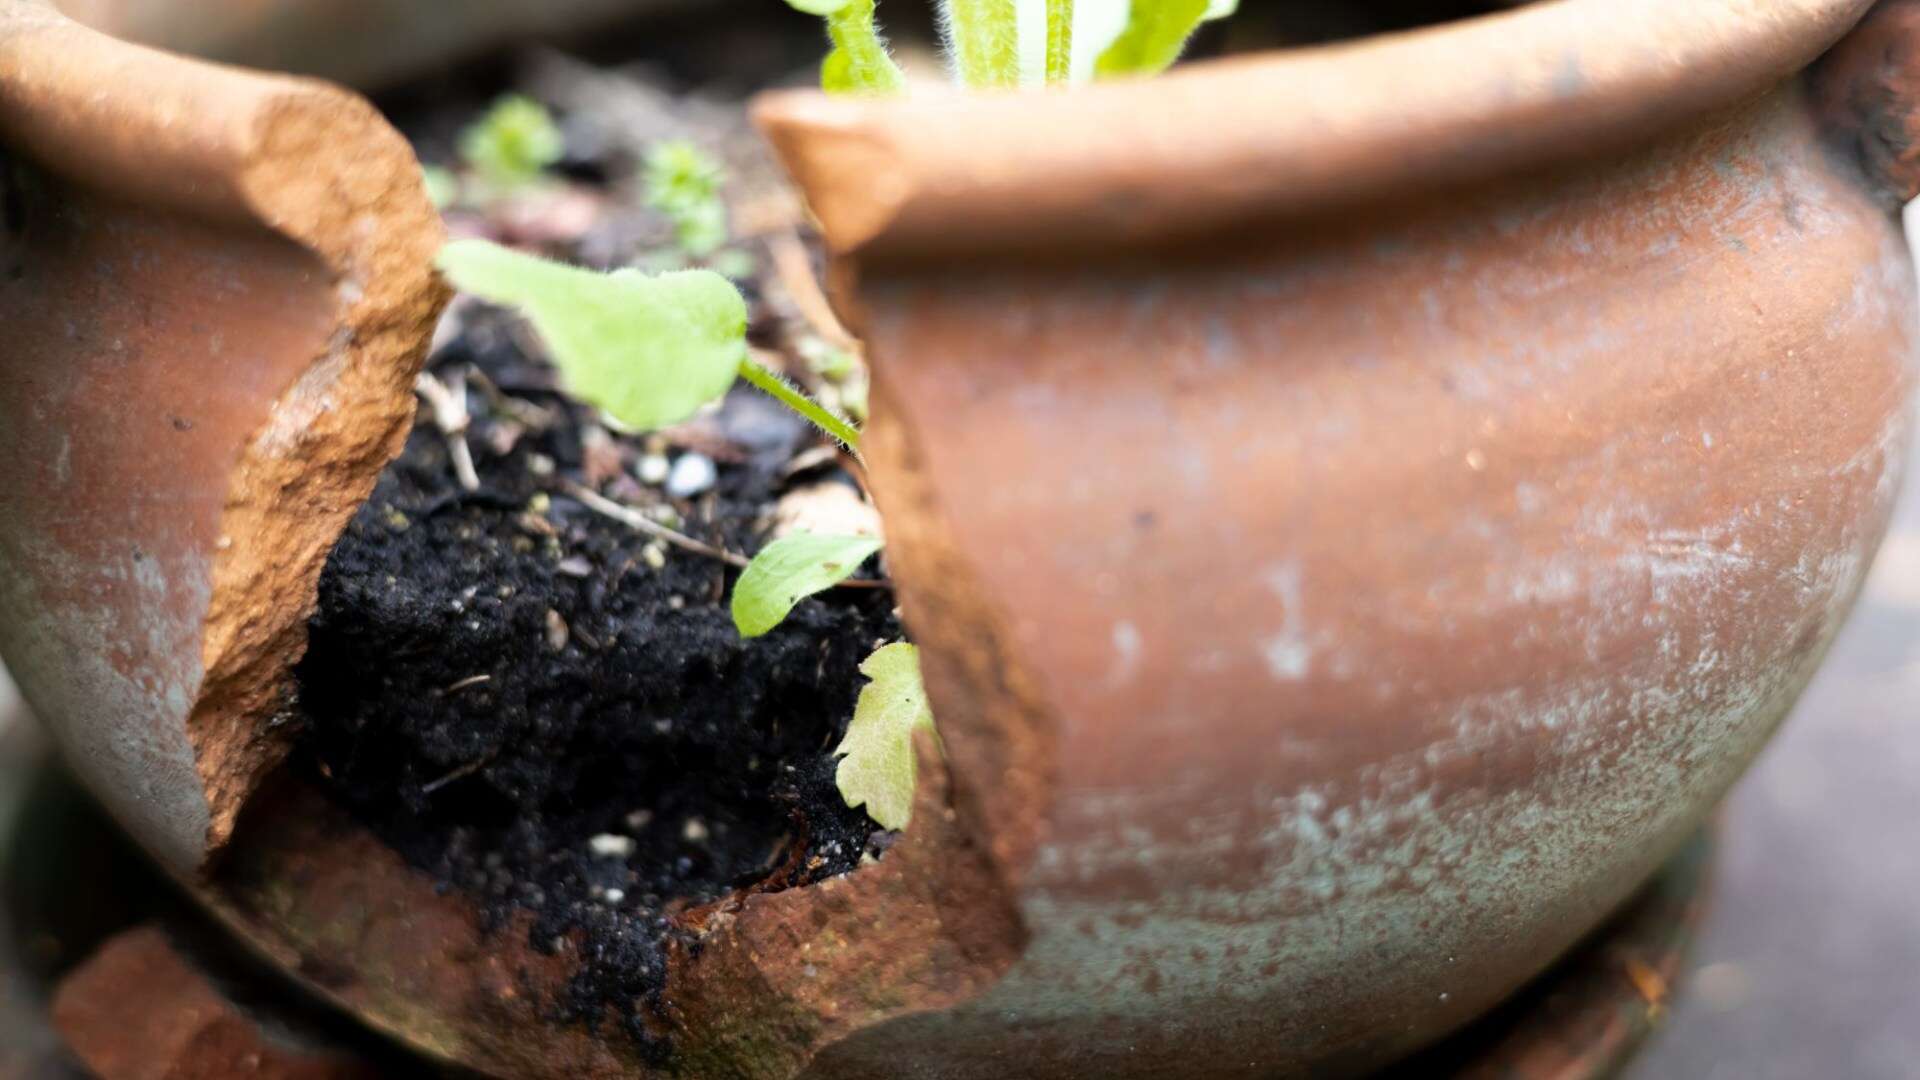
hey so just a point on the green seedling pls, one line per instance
(791, 569)
(878, 768)
(647, 350)
(513, 144)
(683, 183)
(1004, 43)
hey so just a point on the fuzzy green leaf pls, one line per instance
(512, 143)
(791, 569)
(877, 767)
(1155, 33)
(649, 351)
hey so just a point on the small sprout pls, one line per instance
(681, 181)
(791, 569)
(878, 769)
(513, 143)
(649, 351)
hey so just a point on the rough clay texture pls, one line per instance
(1533, 505)
(139, 1010)
(218, 291)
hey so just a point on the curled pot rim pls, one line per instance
(1212, 144)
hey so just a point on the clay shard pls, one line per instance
(219, 292)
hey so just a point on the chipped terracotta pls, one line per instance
(216, 287)
(178, 1024)
(1353, 543)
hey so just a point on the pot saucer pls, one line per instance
(1587, 1016)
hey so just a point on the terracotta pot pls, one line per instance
(1363, 508)
(361, 42)
(1354, 540)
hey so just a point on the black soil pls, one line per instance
(524, 702)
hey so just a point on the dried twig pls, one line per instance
(634, 519)
(449, 407)
(628, 516)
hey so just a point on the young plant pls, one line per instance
(1002, 43)
(647, 350)
(789, 570)
(513, 144)
(683, 183)
(878, 768)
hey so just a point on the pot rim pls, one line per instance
(1198, 149)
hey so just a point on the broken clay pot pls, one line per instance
(1362, 508)
(1353, 540)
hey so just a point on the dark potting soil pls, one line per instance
(552, 712)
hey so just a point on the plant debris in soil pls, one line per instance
(549, 709)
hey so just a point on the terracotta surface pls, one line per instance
(1352, 544)
(1391, 574)
(215, 290)
(177, 1025)
(776, 974)
(360, 42)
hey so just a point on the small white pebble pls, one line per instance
(611, 845)
(652, 469)
(540, 465)
(691, 475)
(639, 819)
(614, 896)
(655, 555)
(694, 831)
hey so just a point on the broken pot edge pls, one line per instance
(225, 279)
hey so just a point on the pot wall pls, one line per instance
(215, 288)
(1387, 591)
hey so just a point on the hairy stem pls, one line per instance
(768, 380)
(1059, 41)
(983, 40)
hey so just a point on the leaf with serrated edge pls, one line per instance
(647, 350)
(877, 766)
(791, 569)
